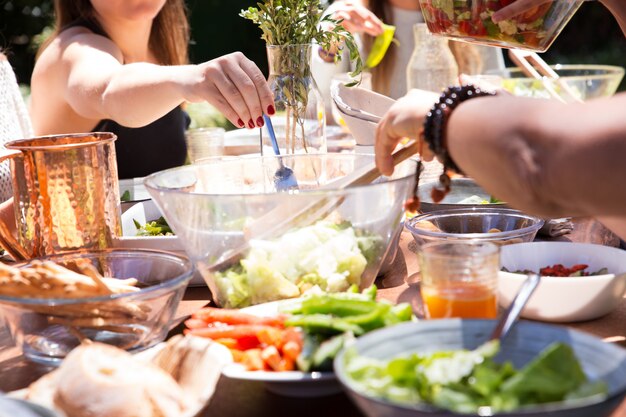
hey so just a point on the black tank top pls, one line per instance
(151, 148)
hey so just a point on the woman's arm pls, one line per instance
(540, 156)
(97, 85)
(543, 156)
(618, 9)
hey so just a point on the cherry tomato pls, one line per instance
(465, 27)
(530, 38)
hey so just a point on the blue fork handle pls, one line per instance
(270, 130)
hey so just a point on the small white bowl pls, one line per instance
(363, 131)
(565, 299)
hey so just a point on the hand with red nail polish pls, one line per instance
(235, 86)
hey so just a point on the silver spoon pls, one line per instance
(511, 314)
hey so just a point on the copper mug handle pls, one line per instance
(7, 239)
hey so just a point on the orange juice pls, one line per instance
(468, 300)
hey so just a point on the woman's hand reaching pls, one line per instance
(403, 120)
(357, 18)
(527, 10)
(235, 86)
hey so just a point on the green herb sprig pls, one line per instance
(292, 22)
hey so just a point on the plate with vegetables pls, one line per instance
(290, 345)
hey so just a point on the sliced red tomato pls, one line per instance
(505, 3)
(465, 27)
(530, 38)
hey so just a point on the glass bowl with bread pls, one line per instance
(122, 297)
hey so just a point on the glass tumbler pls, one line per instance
(204, 143)
(460, 279)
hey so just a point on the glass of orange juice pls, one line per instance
(460, 279)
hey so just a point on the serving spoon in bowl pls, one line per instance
(508, 319)
(284, 178)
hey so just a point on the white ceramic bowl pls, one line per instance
(363, 131)
(559, 299)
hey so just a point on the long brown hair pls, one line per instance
(467, 56)
(169, 37)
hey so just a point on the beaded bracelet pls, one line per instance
(434, 133)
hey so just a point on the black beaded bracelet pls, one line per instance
(434, 133)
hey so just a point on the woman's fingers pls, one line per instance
(358, 19)
(516, 8)
(403, 120)
(239, 90)
(231, 95)
(385, 144)
(262, 91)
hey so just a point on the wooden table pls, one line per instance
(234, 398)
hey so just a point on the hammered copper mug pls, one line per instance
(65, 194)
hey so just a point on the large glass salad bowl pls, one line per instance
(586, 82)
(534, 28)
(253, 244)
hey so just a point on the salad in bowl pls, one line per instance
(534, 28)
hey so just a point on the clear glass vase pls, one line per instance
(300, 120)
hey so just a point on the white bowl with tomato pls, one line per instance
(579, 281)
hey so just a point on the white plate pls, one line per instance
(143, 212)
(292, 383)
(134, 188)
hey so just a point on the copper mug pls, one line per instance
(65, 194)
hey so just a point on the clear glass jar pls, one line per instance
(300, 120)
(432, 66)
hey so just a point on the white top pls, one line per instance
(403, 20)
(14, 121)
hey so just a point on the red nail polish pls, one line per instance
(240, 123)
(251, 124)
(259, 121)
(270, 110)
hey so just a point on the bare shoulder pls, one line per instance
(73, 43)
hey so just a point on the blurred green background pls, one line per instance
(591, 37)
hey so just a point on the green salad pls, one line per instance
(158, 227)
(325, 256)
(471, 381)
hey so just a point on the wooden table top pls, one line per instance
(235, 398)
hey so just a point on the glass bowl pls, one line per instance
(48, 329)
(512, 226)
(585, 81)
(254, 244)
(599, 360)
(534, 29)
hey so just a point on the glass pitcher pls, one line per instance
(432, 65)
